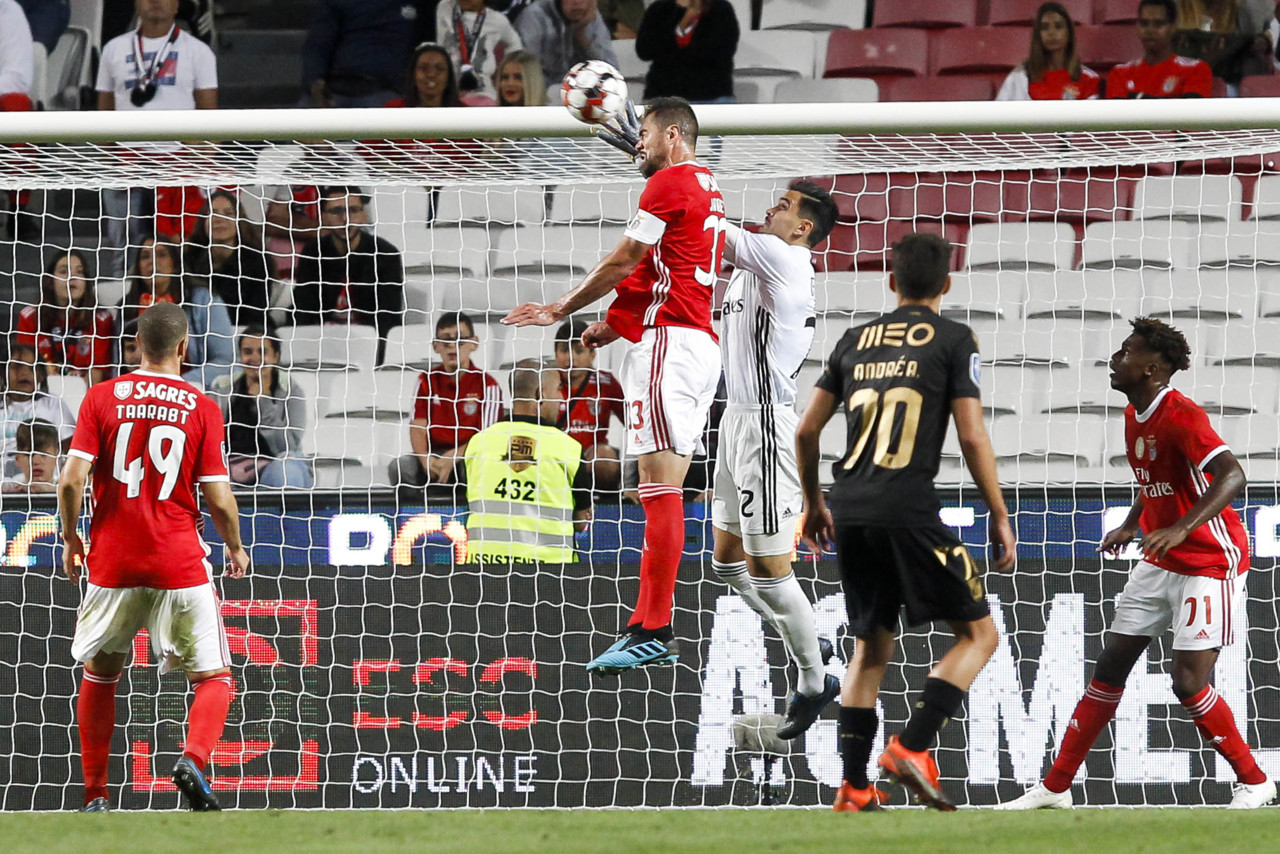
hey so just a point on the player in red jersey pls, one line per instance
(1195, 557)
(593, 398)
(156, 437)
(1160, 73)
(664, 270)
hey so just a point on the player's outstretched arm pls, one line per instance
(1114, 540)
(817, 529)
(1228, 481)
(226, 518)
(975, 444)
(75, 475)
(602, 279)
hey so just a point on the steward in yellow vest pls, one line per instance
(527, 486)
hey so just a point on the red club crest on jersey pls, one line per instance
(124, 389)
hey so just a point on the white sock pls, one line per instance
(735, 575)
(793, 617)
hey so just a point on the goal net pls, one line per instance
(376, 667)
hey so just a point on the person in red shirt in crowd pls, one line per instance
(1195, 555)
(455, 401)
(592, 399)
(70, 334)
(150, 439)
(1052, 71)
(1160, 73)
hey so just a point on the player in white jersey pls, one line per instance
(766, 327)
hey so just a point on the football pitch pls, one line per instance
(646, 832)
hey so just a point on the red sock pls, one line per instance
(207, 717)
(96, 714)
(663, 547)
(1218, 727)
(1094, 711)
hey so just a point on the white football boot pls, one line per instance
(1250, 797)
(1040, 798)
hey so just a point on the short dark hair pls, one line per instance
(526, 380)
(160, 328)
(456, 319)
(264, 332)
(37, 434)
(674, 111)
(570, 331)
(1164, 341)
(339, 190)
(921, 264)
(1170, 8)
(817, 206)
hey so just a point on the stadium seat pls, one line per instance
(1260, 87)
(632, 67)
(529, 342)
(1022, 13)
(859, 295)
(925, 14)
(1083, 390)
(1191, 198)
(1248, 245)
(865, 246)
(1107, 293)
(1040, 342)
(860, 198)
(748, 199)
(984, 294)
(1116, 12)
(832, 443)
(1152, 244)
(1071, 196)
(397, 210)
(1078, 440)
(491, 205)
(1233, 389)
(329, 347)
(1021, 246)
(952, 88)
(774, 52)
(1205, 294)
(444, 249)
(1103, 47)
(877, 53)
(555, 251)
(824, 90)
(372, 443)
(810, 15)
(954, 196)
(1254, 343)
(70, 388)
(611, 203)
(974, 50)
(1266, 198)
(409, 347)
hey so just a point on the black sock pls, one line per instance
(857, 731)
(938, 703)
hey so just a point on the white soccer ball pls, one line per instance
(594, 92)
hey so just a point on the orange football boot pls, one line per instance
(849, 799)
(915, 770)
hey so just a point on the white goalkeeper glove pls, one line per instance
(626, 135)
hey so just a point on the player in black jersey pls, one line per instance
(899, 378)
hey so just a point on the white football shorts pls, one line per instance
(185, 625)
(757, 483)
(669, 378)
(1200, 610)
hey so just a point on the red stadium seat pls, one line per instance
(978, 50)
(865, 246)
(1073, 196)
(954, 197)
(927, 14)
(860, 198)
(955, 88)
(1022, 13)
(1103, 47)
(1244, 166)
(871, 53)
(1260, 87)
(1116, 12)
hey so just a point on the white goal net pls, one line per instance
(377, 668)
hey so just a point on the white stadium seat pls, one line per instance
(329, 346)
(812, 14)
(1245, 245)
(1256, 343)
(1205, 294)
(831, 90)
(611, 203)
(774, 53)
(860, 294)
(1021, 246)
(1189, 197)
(492, 205)
(1090, 293)
(985, 294)
(1158, 244)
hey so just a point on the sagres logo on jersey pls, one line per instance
(124, 390)
(521, 451)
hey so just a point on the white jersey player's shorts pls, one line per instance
(669, 378)
(1201, 610)
(185, 625)
(757, 483)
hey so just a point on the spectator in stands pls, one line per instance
(456, 399)
(519, 81)
(592, 399)
(130, 353)
(157, 67)
(526, 458)
(622, 17)
(17, 68)
(356, 50)
(430, 80)
(1160, 73)
(348, 275)
(36, 454)
(48, 20)
(476, 38)
(1233, 36)
(226, 247)
(690, 46)
(70, 332)
(564, 33)
(1052, 71)
(25, 398)
(157, 276)
(265, 415)
(293, 221)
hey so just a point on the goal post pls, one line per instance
(378, 669)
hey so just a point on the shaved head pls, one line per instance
(160, 329)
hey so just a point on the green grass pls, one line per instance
(1118, 831)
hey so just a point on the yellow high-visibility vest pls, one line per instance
(519, 493)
